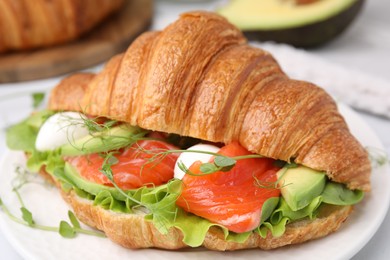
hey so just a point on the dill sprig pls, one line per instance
(276, 184)
(102, 134)
(98, 124)
(94, 125)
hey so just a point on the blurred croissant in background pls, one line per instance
(26, 24)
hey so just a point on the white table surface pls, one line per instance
(365, 47)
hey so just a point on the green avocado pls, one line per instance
(300, 185)
(85, 185)
(110, 139)
(302, 23)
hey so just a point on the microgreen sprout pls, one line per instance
(110, 160)
(38, 98)
(159, 210)
(184, 168)
(378, 157)
(69, 230)
(64, 229)
(223, 163)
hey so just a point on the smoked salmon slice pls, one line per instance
(233, 199)
(133, 169)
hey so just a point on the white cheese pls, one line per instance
(60, 129)
(188, 158)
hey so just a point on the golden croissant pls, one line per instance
(30, 24)
(199, 78)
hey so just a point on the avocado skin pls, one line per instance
(311, 35)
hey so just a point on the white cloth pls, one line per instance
(357, 89)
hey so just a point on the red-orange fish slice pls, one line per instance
(234, 198)
(134, 169)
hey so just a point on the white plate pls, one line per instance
(47, 207)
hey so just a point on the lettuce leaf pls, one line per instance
(284, 210)
(334, 194)
(283, 215)
(105, 200)
(337, 194)
(276, 230)
(268, 208)
(22, 136)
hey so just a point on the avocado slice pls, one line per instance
(110, 139)
(88, 186)
(300, 185)
(300, 23)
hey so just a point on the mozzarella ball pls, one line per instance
(60, 129)
(188, 158)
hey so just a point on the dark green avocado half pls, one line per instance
(302, 25)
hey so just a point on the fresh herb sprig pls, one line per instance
(378, 157)
(223, 163)
(94, 125)
(99, 129)
(276, 184)
(98, 124)
(70, 230)
(38, 98)
(109, 161)
(65, 229)
(160, 210)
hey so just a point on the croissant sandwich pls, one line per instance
(194, 138)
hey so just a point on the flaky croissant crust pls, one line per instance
(199, 77)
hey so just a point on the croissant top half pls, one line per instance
(199, 77)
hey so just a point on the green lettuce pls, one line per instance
(22, 136)
(333, 194)
(283, 210)
(337, 194)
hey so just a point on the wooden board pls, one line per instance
(108, 39)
